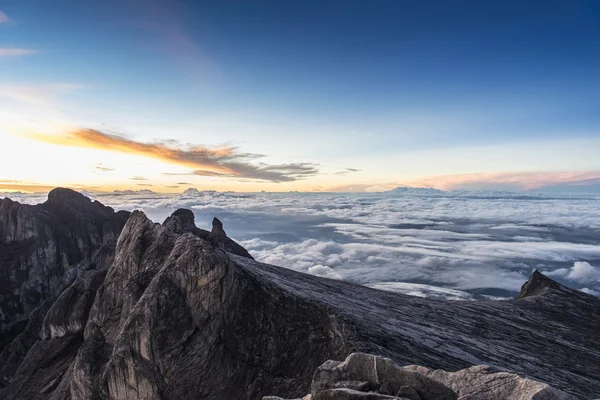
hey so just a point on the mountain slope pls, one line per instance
(184, 313)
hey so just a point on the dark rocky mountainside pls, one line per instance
(184, 313)
(42, 250)
(42, 246)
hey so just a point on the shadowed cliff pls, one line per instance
(43, 248)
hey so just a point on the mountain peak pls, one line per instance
(65, 194)
(64, 200)
(536, 284)
(182, 220)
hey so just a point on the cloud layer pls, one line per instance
(225, 162)
(462, 246)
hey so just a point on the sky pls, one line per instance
(300, 96)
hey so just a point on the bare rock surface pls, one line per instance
(367, 373)
(365, 376)
(183, 313)
(483, 382)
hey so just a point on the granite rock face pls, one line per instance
(42, 249)
(42, 245)
(364, 376)
(184, 313)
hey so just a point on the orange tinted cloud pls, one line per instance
(204, 161)
(21, 186)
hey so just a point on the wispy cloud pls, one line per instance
(37, 94)
(15, 52)
(346, 171)
(225, 162)
(102, 168)
(569, 181)
(4, 18)
(510, 180)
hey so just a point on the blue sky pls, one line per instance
(332, 94)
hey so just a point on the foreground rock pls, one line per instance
(483, 382)
(184, 313)
(363, 376)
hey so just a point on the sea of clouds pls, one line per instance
(456, 245)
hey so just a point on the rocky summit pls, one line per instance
(102, 305)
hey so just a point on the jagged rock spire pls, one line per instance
(217, 228)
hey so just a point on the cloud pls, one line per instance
(102, 168)
(511, 180)
(16, 52)
(583, 272)
(225, 162)
(324, 271)
(28, 187)
(420, 290)
(561, 272)
(4, 18)
(138, 178)
(346, 171)
(38, 95)
(363, 187)
(591, 291)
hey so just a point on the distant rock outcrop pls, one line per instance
(182, 221)
(183, 313)
(537, 284)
